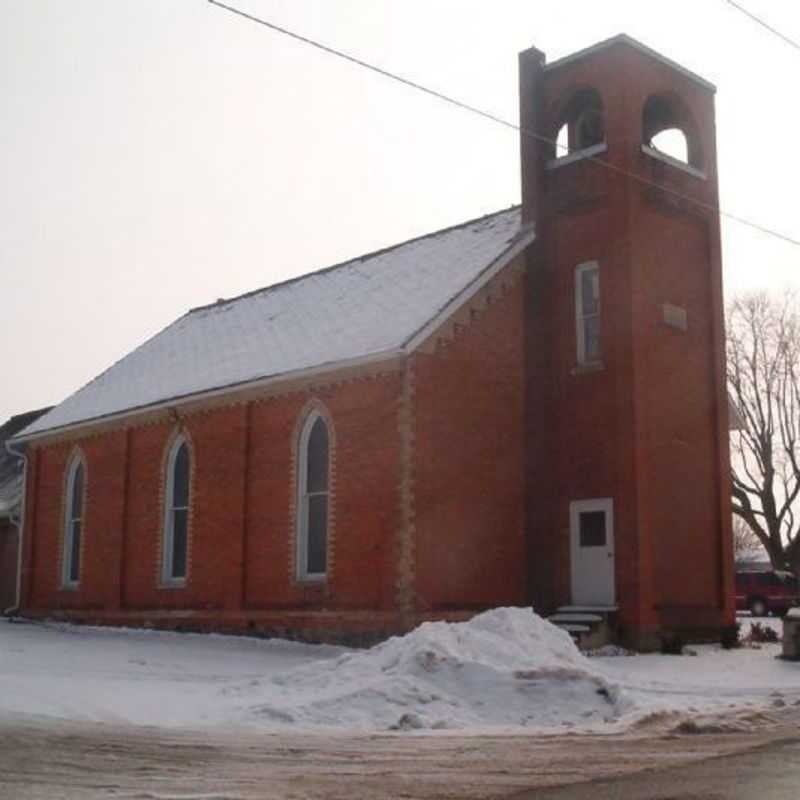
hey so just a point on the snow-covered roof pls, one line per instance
(369, 307)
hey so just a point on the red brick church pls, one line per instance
(528, 408)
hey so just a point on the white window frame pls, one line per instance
(580, 318)
(302, 499)
(75, 464)
(168, 554)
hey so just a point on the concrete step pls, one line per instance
(589, 626)
(588, 619)
(571, 627)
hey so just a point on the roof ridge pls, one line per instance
(341, 264)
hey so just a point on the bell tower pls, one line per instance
(628, 466)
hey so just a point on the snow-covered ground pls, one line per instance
(506, 669)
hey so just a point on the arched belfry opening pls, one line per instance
(581, 124)
(668, 127)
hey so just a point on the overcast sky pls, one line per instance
(159, 154)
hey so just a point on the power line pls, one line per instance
(499, 120)
(763, 24)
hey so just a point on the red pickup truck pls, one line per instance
(764, 592)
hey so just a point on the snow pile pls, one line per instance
(505, 667)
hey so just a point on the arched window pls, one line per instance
(176, 513)
(313, 491)
(73, 523)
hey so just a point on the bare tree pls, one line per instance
(763, 348)
(746, 545)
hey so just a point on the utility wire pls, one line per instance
(763, 24)
(500, 121)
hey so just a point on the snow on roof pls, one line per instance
(371, 305)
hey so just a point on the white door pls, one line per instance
(591, 524)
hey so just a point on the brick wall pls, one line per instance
(680, 477)
(8, 564)
(579, 435)
(469, 459)
(241, 556)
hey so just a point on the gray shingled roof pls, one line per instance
(367, 307)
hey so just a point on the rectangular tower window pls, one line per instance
(587, 312)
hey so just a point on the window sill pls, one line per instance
(70, 587)
(312, 579)
(172, 584)
(673, 162)
(578, 155)
(588, 368)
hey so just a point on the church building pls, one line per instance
(525, 409)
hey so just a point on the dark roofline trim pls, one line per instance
(623, 38)
(348, 262)
(522, 240)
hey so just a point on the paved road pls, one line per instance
(771, 772)
(47, 759)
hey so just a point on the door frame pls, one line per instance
(576, 507)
